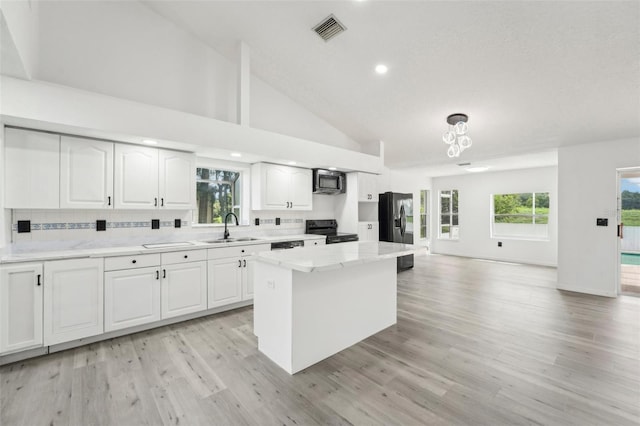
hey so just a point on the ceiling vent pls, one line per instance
(329, 28)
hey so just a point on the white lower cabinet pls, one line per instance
(231, 274)
(184, 288)
(131, 297)
(20, 307)
(368, 231)
(73, 300)
(225, 282)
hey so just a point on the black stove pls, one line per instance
(329, 227)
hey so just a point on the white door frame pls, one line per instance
(620, 173)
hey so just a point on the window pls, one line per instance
(448, 226)
(424, 208)
(218, 192)
(524, 215)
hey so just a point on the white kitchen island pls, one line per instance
(310, 303)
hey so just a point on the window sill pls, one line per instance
(512, 238)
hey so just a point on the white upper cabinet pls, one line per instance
(136, 177)
(275, 183)
(86, 173)
(150, 178)
(31, 169)
(276, 187)
(177, 180)
(301, 189)
(367, 188)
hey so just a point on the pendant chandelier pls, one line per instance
(456, 137)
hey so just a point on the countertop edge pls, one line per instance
(138, 250)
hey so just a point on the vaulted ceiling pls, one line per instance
(532, 76)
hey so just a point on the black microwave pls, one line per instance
(329, 182)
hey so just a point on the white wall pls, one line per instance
(126, 50)
(271, 110)
(587, 189)
(475, 192)
(21, 18)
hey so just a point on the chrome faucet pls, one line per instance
(226, 231)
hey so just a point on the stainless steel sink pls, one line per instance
(231, 240)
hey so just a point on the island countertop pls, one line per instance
(335, 256)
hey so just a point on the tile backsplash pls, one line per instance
(49, 225)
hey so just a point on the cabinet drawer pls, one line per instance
(237, 251)
(129, 262)
(184, 256)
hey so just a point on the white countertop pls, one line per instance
(334, 256)
(64, 252)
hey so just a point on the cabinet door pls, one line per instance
(225, 282)
(363, 231)
(73, 300)
(32, 169)
(86, 173)
(136, 177)
(367, 231)
(184, 288)
(131, 297)
(20, 307)
(177, 180)
(373, 232)
(275, 187)
(301, 189)
(367, 188)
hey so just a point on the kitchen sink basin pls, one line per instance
(231, 240)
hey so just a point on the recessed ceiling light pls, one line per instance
(236, 154)
(477, 169)
(332, 168)
(291, 163)
(150, 142)
(381, 69)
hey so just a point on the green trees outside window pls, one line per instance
(217, 193)
(523, 215)
(448, 219)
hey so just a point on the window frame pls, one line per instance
(533, 216)
(245, 189)
(450, 213)
(425, 202)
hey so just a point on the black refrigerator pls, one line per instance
(395, 217)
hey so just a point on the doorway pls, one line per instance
(629, 230)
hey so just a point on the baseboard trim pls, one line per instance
(574, 289)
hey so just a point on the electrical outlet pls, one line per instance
(499, 243)
(277, 221)
(257, 222)
(155, 223)
(177, 223)
(101, 225)
(271, 284)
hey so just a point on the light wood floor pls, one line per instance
(477, 343)
(630, 278)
